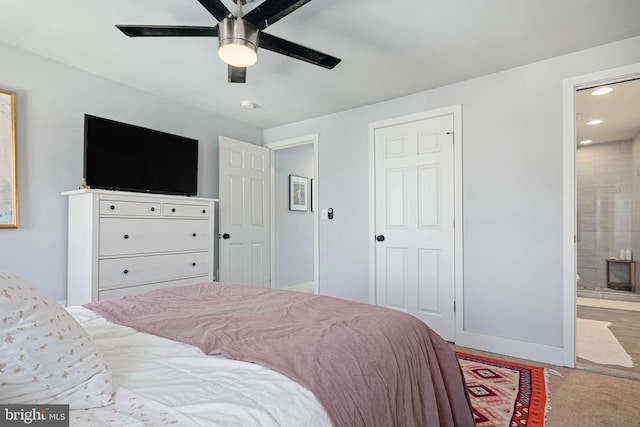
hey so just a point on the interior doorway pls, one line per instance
(608, 190)
(608, 227)
(600, 175)
(294, 231)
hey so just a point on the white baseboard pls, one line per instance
(302, 287)
(514, 348)
(63, 303)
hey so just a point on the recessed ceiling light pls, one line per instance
(601, 91)
(586, 141)
(594, 122)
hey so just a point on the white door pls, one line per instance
(244, 213)
(414, 208)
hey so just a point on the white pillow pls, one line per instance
(46, 357)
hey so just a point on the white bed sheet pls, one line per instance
(179, 383)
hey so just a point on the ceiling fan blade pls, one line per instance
(167, 31)
(216, 8)
(236, 74)
(272, 11)
(294, 50)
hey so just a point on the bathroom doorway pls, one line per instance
(607, 165)
(608, 190)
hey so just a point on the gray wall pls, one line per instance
(294, 229)
(51, 101)
(512, 192)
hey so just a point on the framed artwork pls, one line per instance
(8, 174)
(298, 192)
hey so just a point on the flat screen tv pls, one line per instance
(121, 156)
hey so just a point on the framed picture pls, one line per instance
(298, 193)
(8, 174)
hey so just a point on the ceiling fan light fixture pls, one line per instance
(238, 41)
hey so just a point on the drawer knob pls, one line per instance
(173, 209)
(194, 234)
(204, 211)
(126, 236)
(193, 264)
(112, 207)
(126, 271)
(153, 209)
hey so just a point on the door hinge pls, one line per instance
(454, 306)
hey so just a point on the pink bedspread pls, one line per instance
(367, 365)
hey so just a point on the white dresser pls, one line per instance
(123, 243)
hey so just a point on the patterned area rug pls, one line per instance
(504, 394)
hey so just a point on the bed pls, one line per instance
(227, 355)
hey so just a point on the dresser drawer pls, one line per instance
(117, 272)
(124, 236)
(193, 211)
(127, 208)
(138, 289)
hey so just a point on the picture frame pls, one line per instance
(298, 193)
(8, 173)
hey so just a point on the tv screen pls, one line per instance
(121, 156)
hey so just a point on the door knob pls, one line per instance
(226, 236)
(380, 238)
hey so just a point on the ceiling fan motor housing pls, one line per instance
(236, 33)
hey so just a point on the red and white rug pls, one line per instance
(504, 394)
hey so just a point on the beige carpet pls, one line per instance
(595, 342)
(606, 303)
(585, 399)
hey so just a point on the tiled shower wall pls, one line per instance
(608, 199)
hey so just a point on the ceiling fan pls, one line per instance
(240, 35)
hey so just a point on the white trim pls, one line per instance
(301, 287)
(458, 219)
(290, 143)
(456, 111)
(570, 86)
(510, 347)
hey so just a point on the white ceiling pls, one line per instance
(619, 110)
(388, 48)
